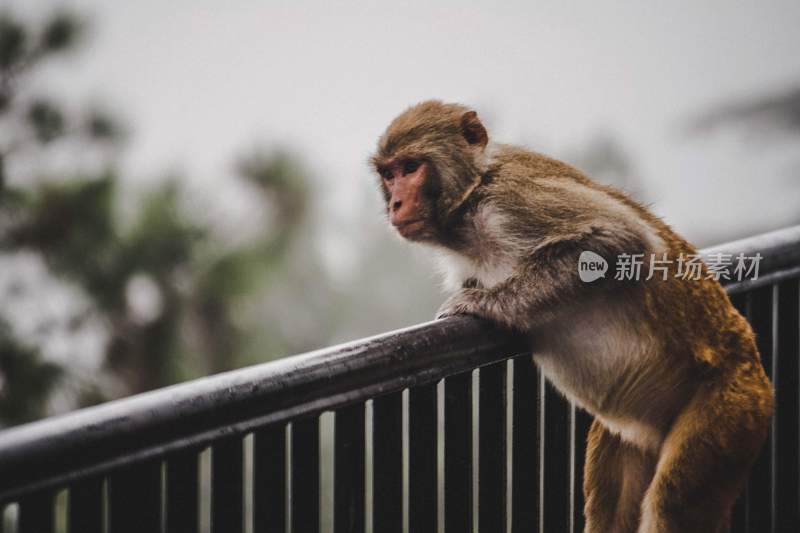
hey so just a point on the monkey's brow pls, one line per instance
(386, 164)
(392, 161)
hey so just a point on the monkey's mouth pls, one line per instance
(410, 228)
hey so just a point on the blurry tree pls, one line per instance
(767, 117)
(25, 380)
(770, 116)
(27, 122)
(168, 295)
(775, 113)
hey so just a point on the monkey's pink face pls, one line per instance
(406, 203)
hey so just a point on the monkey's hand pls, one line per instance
(465, 301)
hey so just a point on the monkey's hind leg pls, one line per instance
(707, 454)
(616, 476)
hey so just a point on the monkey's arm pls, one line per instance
(545, 282)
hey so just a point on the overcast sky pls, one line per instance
(198, 81)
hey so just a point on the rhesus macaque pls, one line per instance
(667, 366)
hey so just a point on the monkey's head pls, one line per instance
(430, 160)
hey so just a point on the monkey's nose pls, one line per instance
(396, 205)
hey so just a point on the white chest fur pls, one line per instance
(497, 258)
(457, 268)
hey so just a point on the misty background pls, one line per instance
(184, 185)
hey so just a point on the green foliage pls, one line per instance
(60, 32)
(101, 126)
(46, 120)
(13, 39)
(66, 221)
(20, 53)
(162, 238)
(170, 298)
(25, 380)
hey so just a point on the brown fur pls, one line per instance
(668, 368)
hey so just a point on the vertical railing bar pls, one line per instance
(227, 485)
(573, 497)
(739, 514)
(135, 498)
(422, 458)
(475, 446)
(269, 480)
(492, 448)
(509, 431)
(305, 482)
(406, 460)
(582, 421)
(786, 422)
(387, 472)
(458, 453)
(247, 483)
(525, 448)
(288, 466)
(542, 421)
(773, 459)
(759, 486)
(182, 492)
(555, 483)
(440, 458)
(36, 513)
(85, 506)
(349, 468)
(572, 466)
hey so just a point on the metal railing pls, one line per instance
(444, 425)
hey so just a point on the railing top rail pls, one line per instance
(780, 251)
(76, 445)
(91, 441)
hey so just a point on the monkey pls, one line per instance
(665, 364)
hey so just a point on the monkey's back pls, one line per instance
(633, 352)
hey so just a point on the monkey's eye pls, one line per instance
(410, 166)
(387, 174)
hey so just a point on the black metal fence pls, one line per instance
(441, 426)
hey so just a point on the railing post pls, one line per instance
(759, 491)
(458, 453)
(555, 420)
(423, 464)
(135, 498)
(492, 448)
(227, 486)
(387, 456)
(85, 509)
(525, 446)
(269, 480)
(349, 453)
(581, 422)
(785, 433)
(36, 514)
(305, 476)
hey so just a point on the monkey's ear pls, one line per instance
(473, 130)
